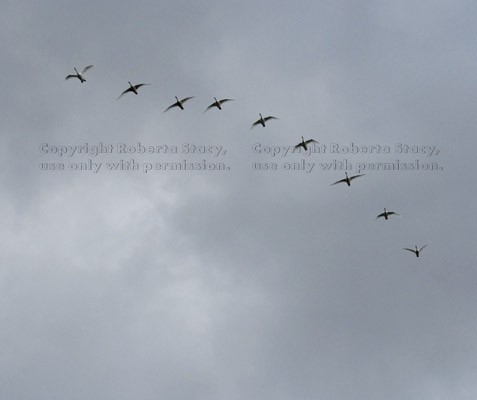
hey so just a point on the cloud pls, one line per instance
(237, 283)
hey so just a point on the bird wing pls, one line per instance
(127, 90)
(171, 106)
(392, 213)
(140, 84)
(269, 117)
(356, 176)
(311, 141)
(341, 180)
(87, 68)
(71, 76)
(212, 105)
(299, 145)
(225, 100)
(380, 215)
(411, 250)
(423, 247)
(255, 124)
(187, 98)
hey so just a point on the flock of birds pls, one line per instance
(384, 214)
(261, 121)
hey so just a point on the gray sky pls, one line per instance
(238, 284)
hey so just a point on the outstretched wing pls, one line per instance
(411, 250)
(127, 90)
(140, 84)
(355, 176)
(171, 106)
(311, 141)
(87, 68)
(71, 76)
(187, 98)
(341, 180)
(269, 117)
(212, 105)
(423, 247)
(225, 100)
(255, 124)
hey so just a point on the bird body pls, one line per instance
(132, 88)
(79, 75)
(304, 143)
(416, 251)
(386, 214)
(218, 103)
(348, 179)
(179, 103)
(261, 120)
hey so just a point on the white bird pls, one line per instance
(304, 143)
(262, 120)
(386, 213)
(218, 103)
(179, 103)
(79, 75)
(347, 179)
(416, 251)
(132, 88)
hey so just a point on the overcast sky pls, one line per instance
(238, 283)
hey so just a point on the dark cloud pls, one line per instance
(243, 283)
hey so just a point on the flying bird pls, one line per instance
(132, 88)
(386, 213)
(179, 103)
(416, 251)
(347, 179)
(304, 143)
(218, 103)
(79, 75)
(262, 120)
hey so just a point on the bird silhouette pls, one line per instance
(347, 179)
(79, 75)
(416, 251)
(179, 103)
(132, 88)
(304, 143)
(386, 214)
(217, 103)
(261, 120)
